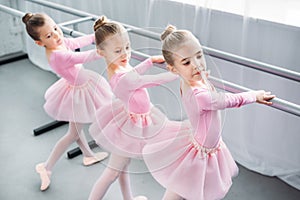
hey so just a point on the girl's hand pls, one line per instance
(157, 59)
(264, 97)
(207, 73)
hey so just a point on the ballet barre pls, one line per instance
(271, 69)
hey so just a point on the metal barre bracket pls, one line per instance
(48, 127)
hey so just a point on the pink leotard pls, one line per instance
(130, 87)
(79, 92)
(202, 107)
(125, 126)
(195, 163)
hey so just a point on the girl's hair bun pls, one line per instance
(27, 17)
(100, 22)
(170, 29)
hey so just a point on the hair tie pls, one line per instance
(27, 17)
(100, 22)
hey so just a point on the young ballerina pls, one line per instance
(75, 96)
(196, 164)
(124, 126)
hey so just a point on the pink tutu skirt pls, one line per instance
(183, 166)
(124, 133)
(77, 103)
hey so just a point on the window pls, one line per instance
(280, 11)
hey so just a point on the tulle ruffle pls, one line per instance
(77, 103)
(124, 133)
(183, 166)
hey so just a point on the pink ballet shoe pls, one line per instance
(140, 198)
(97, 158)
(44, 175)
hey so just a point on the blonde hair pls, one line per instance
(33, 22)
(104, 28)
(171, 40)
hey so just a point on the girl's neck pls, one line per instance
(185, 85)
(113, 69)
(199, 83)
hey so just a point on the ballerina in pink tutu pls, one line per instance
(195, 164)
(73, 98)
(124, 126)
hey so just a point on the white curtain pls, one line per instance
(260, 138)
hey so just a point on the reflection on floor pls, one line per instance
(22, 86)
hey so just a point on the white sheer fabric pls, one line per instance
(37, 54)
(261, 138)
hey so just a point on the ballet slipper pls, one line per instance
(140, 198)
(97, 158)
(44, 175)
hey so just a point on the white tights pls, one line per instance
(75, 133)
(117, 168)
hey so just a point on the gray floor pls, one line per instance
(22, 86)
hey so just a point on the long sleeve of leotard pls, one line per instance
(75, 43)
(136, 81)
(212, 100)
(67, 59)
(142, 67)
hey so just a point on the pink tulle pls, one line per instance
(188, 171)
(124, 133)
(77, 103)
(195, 163)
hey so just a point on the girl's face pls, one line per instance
(117, 49)
(51, 35)
(189, 61)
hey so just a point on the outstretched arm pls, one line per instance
(145, 65)
(211, 100)
(136, 81)
(69, 58)
(75, 43)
